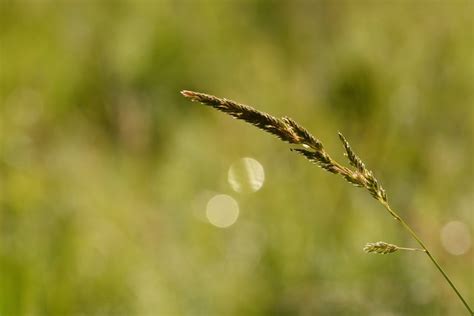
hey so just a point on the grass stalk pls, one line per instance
(428, 253)
(312, 149)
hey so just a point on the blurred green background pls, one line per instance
(106, 171)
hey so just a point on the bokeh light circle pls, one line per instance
(246, 175)
(222, 211)
(456, 238)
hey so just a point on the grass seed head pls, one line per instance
(380, 247)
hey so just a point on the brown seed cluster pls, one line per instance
(290, 131)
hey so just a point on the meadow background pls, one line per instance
(106, 170)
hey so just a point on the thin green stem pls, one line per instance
(415, 236)
(411, 249)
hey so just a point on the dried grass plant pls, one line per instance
(312, 149)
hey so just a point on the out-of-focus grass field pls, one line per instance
(106, 170)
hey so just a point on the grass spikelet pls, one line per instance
(384, 248)
(286, 129)
(371, 182)
(380, 247)
(350, 154)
